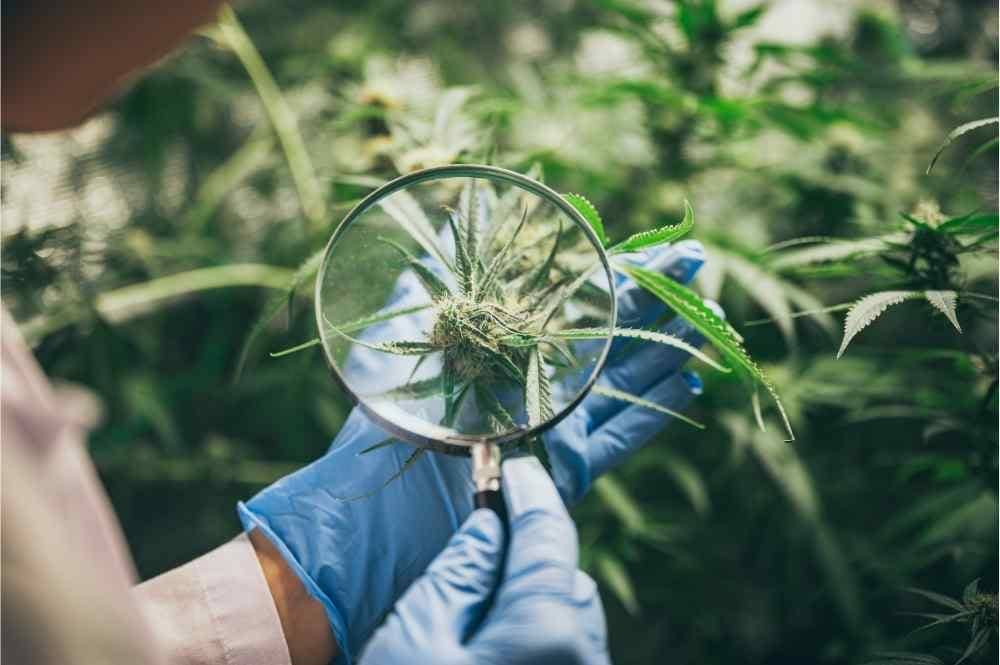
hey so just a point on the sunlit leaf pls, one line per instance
(654, 237)
(945, 302)
(864, 312)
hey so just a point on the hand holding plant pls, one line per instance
(358, 541)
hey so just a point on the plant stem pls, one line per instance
(232, 35)
(130, 301)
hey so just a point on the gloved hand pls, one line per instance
(473, 607)
(602, 432)
(357, 543)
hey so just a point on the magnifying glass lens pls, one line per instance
(465, 304)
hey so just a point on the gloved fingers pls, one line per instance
(548, 627)
(543, 541)
(637, 307)
(637, 368)
(632, 427)
(442, 607)
(591, 616)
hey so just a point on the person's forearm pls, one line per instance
(60, 59)
(307, 631)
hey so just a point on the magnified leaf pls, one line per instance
(436, 288)
(407, 212)
(353, 326)
(537, 392)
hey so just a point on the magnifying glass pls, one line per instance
(466, 309)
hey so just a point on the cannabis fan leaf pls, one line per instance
(866, 310)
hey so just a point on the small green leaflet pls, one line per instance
(406, 211)
(537, 393)
(352, 326)
(945, 302)
(648, 335)
(623, 396)
(659, 236)
(720, 334)
(589, 212)
(414, 390)
(435, 287)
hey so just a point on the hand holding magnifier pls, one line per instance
(496, 276)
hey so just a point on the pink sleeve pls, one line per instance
(67, 574)
(216, 610)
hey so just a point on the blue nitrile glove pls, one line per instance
(358, 543)
(472, 607)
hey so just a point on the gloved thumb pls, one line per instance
(450, 599)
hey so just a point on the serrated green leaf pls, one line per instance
(589, 213)
(463, 262)
(537, 392)
(648, 335)
(500, 418)
(659, 236)
(496, 265)
(410, 215)
(413, 389)
(938, 598)
(945, 302)
(687, 304)
(541, 273)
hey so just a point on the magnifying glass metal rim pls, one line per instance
(457, 443)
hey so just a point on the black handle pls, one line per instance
(492, 499)
(486, 478)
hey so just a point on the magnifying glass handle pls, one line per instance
(486, 476)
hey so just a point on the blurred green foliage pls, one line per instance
(800, 131)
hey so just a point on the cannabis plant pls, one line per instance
(510, 314)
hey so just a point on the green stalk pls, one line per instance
(130, 301)
(232, 35)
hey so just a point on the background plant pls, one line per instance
(140, 251)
